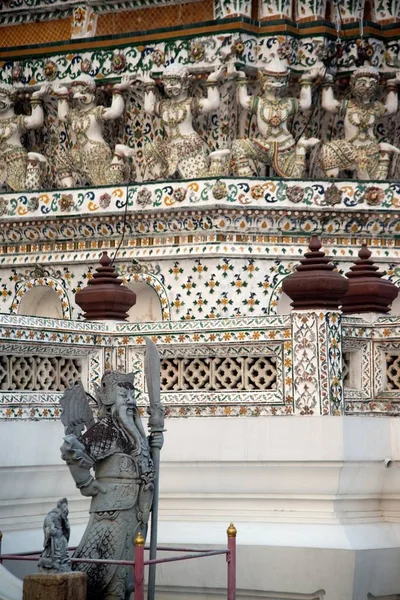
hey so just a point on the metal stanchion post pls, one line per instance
(231, 560)
(138, 569)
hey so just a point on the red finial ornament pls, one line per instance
(368, 291)
(105, 297)
(315, 284)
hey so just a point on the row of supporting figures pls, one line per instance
(182, 152)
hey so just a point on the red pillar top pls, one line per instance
(315, 284)
(368, 291)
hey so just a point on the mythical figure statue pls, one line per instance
(55, 557)
(183, 153)
(276, 146)
(117, 448)
(90, 156)
(360, 149)
(21, 170)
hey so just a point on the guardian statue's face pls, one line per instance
(173, 86)
(274, 84)
(82, 95)
(125, 398)
(364, 87)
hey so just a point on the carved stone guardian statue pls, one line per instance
(276, 146)
(55, 557)
(183, 152)
(121, 488)
(360, 149)
(90, 156)
(20, 169)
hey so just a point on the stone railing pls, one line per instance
(279, 365)
(305, 363)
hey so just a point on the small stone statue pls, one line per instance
(183, 153)
(90, 155)
(121, 490)
(360, 149)
(55, 557)
(276, 146)
(19, 169)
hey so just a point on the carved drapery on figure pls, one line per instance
(174, 146)
(89, 155)
(360, 149)
(121, 490)
(19, 169)
(276, 145)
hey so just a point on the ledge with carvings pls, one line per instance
(127, 53)
(206, 206)
(303, 13)
(346, 196)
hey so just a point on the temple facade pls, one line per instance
(212, 149)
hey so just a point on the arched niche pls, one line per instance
(41, 301)
(395, 309)
(283, 306)
(148, 305)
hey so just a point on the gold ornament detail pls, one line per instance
(139, 539)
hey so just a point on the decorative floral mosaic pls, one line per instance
(303, 351)
(187, 288)
(304, 51)
(214, 252)
(227, 192)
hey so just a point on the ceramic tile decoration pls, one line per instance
(291, 345)
(209, 250)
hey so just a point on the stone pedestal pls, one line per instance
(60, 586)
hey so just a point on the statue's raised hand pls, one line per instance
(311, 74)
(156, 439)
(218, 74)
(145, 78)
(315, 72)
(125, 83)
(233, 73)
(60, 90)
(41, 92)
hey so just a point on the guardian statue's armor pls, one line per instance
(117, 450)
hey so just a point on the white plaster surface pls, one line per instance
(10, 586)
(314, 505)
(41, 301)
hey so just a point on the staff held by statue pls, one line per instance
(156, 426)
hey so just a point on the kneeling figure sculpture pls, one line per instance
(276, 146)
(55, 557)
